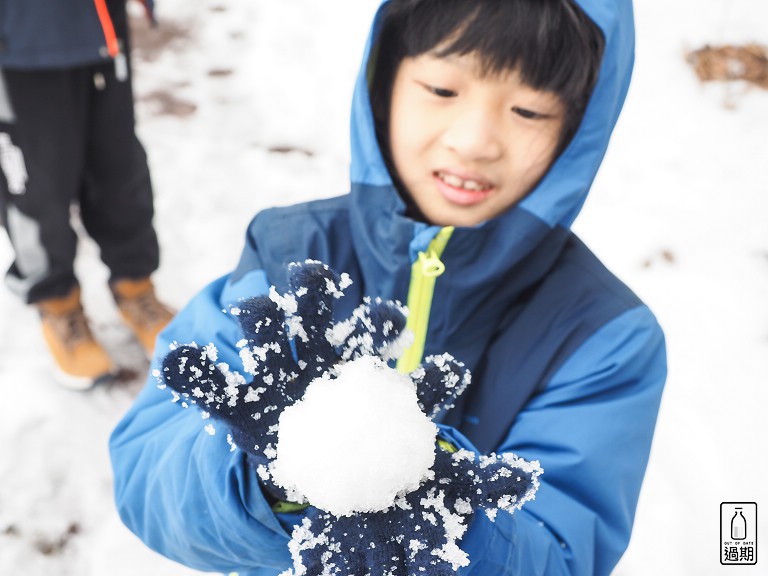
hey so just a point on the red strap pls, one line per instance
(109, 30)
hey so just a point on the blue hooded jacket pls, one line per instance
(568, 365)
(45, 34)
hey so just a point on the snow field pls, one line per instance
(678, 211)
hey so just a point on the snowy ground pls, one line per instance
(246, 105)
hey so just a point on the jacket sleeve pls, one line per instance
(183, 491)
(591, 430)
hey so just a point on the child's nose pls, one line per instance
(473, 135)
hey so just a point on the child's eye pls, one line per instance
(441, 92)
(525, 113)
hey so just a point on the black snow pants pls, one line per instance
(67, 138)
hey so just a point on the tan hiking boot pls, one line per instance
(81, 361)
(144, 314)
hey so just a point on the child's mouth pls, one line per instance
(463, 191)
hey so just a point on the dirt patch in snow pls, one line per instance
(165, 103)
(56, 546)
(748, 63)
(149, 41)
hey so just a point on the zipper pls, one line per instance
(424, 273)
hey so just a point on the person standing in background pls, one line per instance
(67, 137)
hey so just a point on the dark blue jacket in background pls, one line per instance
(55, 33)
(568, 365)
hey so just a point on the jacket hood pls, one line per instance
(489, 268)
(559, 196)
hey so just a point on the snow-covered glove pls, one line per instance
(336, 427)
(419, 534)
(277, 378)
(389, 496)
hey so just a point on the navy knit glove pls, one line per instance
(419, 534)
(277, 379)
(421, 530)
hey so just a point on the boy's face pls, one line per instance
(469, 146)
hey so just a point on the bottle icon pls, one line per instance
(738, 525)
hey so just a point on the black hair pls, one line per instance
(553, 44)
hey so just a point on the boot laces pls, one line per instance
(144, 309)
(71, 327)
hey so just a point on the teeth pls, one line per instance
(452, 180)
(456, 182)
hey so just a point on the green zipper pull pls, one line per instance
(431, 265)
(424, 272)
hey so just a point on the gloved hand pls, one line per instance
(422, 527)
(305, 314)
(420, 534)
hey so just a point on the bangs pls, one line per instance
(552, 44)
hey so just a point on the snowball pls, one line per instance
(355, 442)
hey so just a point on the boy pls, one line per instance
(67, 137)
(471, 158)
